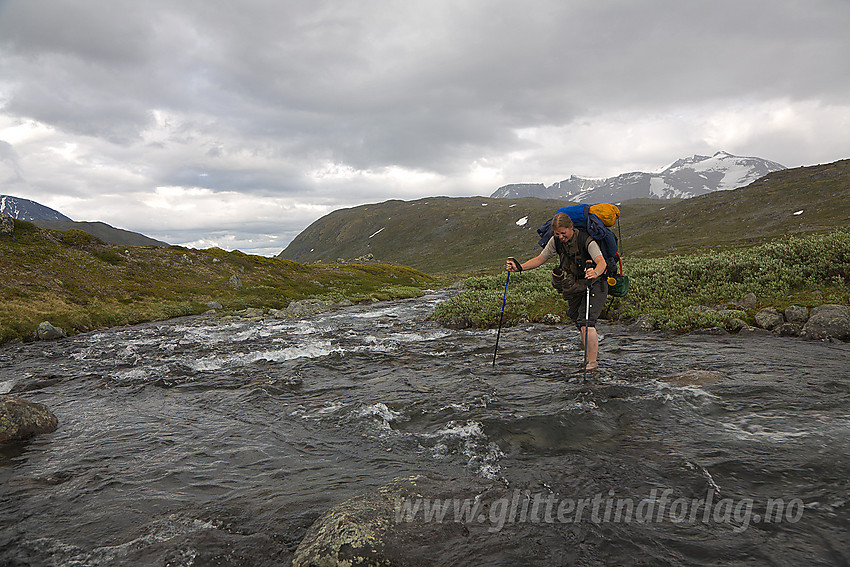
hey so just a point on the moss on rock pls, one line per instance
(21, 419)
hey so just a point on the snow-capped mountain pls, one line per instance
(24, 209)
(686, 177)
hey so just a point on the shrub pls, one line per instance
(668, 287)
(108, 255)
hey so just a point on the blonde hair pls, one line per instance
(562, 220)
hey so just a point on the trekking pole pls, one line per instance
(586, 317)
(504, 299)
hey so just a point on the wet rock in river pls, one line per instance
(695, 377)
(252, 313)
(750, 330)
(306, 307)
(36, 382)
(644, 324)
(789, 329)
(828, 321)
(20, 419)
(47, 332)
(711, 331)
(551, 319)
(415, 519)
(373, 529)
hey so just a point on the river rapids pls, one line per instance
(215, 441)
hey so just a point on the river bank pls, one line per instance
(77, 283)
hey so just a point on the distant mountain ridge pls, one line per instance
(467, 234)
(682, 179)
(24, 209)
(101, 230)
(45, 217)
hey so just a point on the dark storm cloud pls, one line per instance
(333, 102)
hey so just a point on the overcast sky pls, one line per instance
(238, 123)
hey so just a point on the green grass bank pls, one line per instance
(77, 282)
(807, 270)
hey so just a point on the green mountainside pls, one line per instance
(442, 233)
(469, 234)
(103, 231)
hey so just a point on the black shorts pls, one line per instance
(577, 303)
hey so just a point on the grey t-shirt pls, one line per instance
(549, 251)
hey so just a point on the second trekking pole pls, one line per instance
(586, 317)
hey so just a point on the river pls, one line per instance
(214, 441)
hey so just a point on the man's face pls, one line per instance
(564, 234)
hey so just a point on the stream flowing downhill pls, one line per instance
(215, 441)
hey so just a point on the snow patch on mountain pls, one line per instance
(684, 178)
(24, 209)
(658, 187)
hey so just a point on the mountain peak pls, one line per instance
(684, 178)
(24, 209)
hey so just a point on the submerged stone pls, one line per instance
(695, 377)
(643, 324)
(789, 329)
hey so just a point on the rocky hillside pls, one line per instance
(475, 233)
(25, 209)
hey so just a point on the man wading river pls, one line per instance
(581, 263)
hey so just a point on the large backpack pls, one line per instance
(584, 218)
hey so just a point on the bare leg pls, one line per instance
(592, 345)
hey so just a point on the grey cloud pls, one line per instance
(253, 96)
(363, 80)
(9, 160)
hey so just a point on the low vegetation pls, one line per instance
(805, 270)
(77, 282)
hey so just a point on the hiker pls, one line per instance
(575, 249)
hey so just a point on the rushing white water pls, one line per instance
(218, 442)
